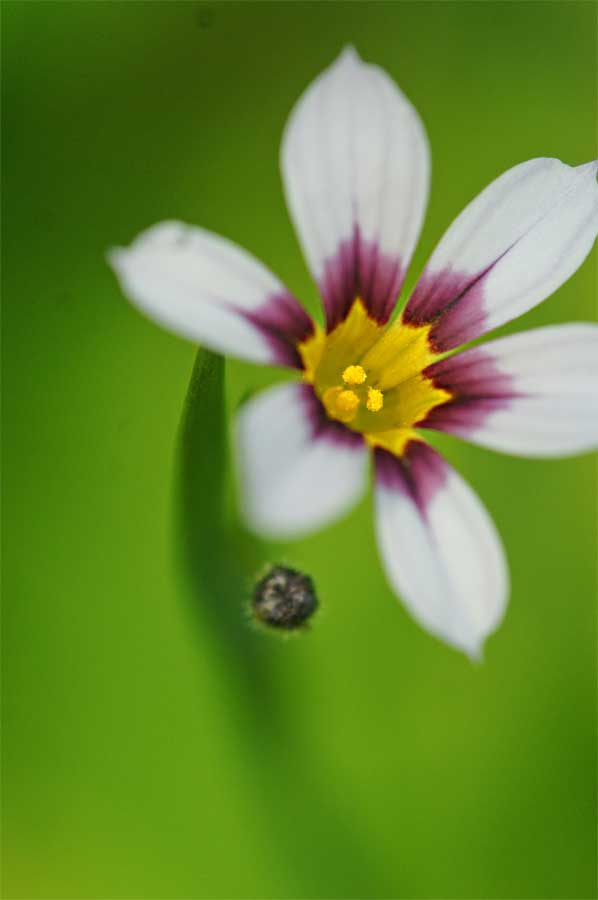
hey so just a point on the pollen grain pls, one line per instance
(354, 375)
(375, 400)
(347, 401)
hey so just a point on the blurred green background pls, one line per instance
(151, 748)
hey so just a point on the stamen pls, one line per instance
(354, 375)
(375, 400)
(341, 404)
(347, 402)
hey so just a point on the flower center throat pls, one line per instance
(371, 377)
(343, 400)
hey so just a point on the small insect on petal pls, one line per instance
(284, 598)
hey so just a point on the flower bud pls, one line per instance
(284, 598)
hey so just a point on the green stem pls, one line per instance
(293, 792)
(209, 543)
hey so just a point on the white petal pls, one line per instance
(515, 244)
(298, 469)
(440, 549)
(209, 290)
(530, 394)
(355, 164)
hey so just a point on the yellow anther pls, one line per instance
(354, 375)
(347, 402)
(375, 400)
(341, 404)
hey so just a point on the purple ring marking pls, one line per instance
(284, 323)
(453, 302)
(479, 388)
(418, 474)
(358, 268)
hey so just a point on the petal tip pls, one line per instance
(349, 54)
(114, 257)
(589, 170)
(475, 652)
(468, 643)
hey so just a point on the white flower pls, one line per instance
(355, 165)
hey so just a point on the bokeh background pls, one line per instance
(154, 745)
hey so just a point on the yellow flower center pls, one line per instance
(370, 377)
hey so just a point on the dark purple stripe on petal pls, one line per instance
(324, 428)
(453, 303)
(360, 269)
(419, 473)
(479, 388)
(284, 323)
(473, 372)
(462, 417)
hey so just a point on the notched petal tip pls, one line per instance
(348, 54)
(475, 654)
(590, 167)
(473, 645)
(162, 235)
(589, 171)
(475, 649)
(115, 258)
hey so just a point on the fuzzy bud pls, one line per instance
(284, 598)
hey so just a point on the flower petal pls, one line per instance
(440, 549)
(299, 470)
(515, 244)
(211, 291)
(355, 164)
(531, 394)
